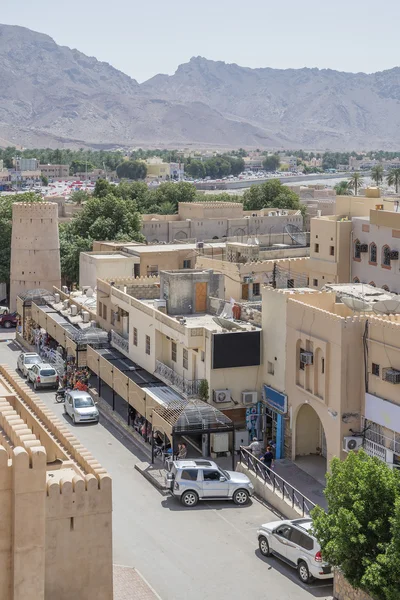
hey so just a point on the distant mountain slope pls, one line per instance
(50, 95)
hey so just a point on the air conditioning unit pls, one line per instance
(352, 443)
(219, 442)
(394, 255)
(249, 398)
(363, 247)
(221, 396)
(307, 358)
(65, 304)
(85, 316)
(160, 304)
(391, 375)
(56, 298)
(74, 310)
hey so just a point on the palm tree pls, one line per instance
(377, 174)
(394, 179)
(343, 189)
(355, 182)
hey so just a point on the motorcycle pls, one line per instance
(60, 395)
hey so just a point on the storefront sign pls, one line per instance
(275, 400)
(383, 412)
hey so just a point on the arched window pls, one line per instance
(356, 280)
(357, 249)
(385, 287)
(386, 256)
(372, 253)
(372, 283)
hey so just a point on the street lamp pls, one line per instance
(270, 229)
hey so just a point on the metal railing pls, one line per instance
(279, 485)
(119, 342)
(188, 387)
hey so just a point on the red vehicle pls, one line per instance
(8, 320)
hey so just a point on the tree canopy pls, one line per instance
(132, 169)
(271, 194)
(343, 188)
(271, 162)
(393, 178)
(360, 533)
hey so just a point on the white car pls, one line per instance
(43, 375)
(80, 407)
(26, 360)
(293, 542)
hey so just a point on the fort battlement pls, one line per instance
(35, 209)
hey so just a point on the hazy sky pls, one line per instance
(143, 38)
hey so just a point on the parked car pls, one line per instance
(8, 320)
(194, 480)
(294, 543)
(43, 375)
(80, 407)
(26, 360)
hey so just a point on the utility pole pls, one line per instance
(274, 276)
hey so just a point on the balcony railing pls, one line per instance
(119, 342)
(187, 387)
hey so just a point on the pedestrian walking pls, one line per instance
(254, 447)
(268, 458)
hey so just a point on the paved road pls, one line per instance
(206, 553)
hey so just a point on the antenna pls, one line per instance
(356, 304)
(297, 235)
(387, 307)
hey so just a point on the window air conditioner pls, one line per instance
(394, 255)
(307, 358)
(352, 443)
(222, 396)
(363, 247)
(249, 398)
(391, 375)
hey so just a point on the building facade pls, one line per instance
(54, 171)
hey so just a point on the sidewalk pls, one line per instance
(129, 584)
(307, 485)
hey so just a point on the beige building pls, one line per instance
(202, 221)
(110, 259)
(55, 517)
(167, 329)
(35, 248)
(54, 171)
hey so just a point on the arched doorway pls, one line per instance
(310, 443)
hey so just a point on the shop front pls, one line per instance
(275, 407)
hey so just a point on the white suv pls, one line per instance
(43, 376)
(26, 360)
(293, 542)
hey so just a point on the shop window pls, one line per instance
(187, 264)
(185, 360)
(271, 368)
(173, 351)
(148, 345)
(372, 253)
(135, 336)
(256, 289)
(386, 256)
(375, 369)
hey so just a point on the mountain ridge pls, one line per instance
(53, 95)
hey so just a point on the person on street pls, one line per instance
(254, 447)
(268, 458)
(182, 452)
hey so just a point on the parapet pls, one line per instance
(35, 209)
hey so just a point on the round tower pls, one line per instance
(35, 248)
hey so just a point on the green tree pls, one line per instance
(360, 533)
(394, 179)
(79, 196)
(172, 193)
(204, 391)
(132, 169)
(167, 208)
(377, 174)
(355, 182)
(80, 166)
(271, 162)
(44, 180)
(343, 188)
(102, 188)
(271, 194)
(196, 169)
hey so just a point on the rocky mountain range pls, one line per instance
(51, 95)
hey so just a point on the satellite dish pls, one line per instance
(387, 307)
(296, 234)
(356, 304)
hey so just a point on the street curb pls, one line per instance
(142, 467)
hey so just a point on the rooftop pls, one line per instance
(361, 291)
(156, 248)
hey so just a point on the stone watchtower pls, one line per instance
(35, 248)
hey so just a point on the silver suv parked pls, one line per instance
(194, 480)
(293, 542)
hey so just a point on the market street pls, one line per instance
(204, 553)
